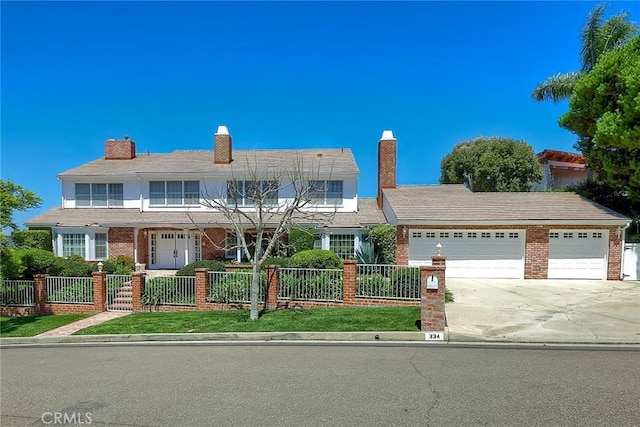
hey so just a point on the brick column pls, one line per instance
(137, 289)
(349, 273)
(40, 292)
(202, 287)
(432, 300)
(536, 257)
(100, 290)
(616, 252)
(273, 287)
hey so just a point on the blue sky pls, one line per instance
(279, 75)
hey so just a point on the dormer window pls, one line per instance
(99, 195)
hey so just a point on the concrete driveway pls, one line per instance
(553, 311)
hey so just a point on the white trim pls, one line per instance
(516, 222)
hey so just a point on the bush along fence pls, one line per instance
(353, 285)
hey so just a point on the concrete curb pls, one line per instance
(300, 337)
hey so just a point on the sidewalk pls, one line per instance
(70, 328)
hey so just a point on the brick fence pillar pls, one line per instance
(273, 287)
(432, 300)
(202, 287)
(137, 289)
(40, 293)
(349, 282)
(100, 290)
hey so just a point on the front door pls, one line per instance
(169, 250)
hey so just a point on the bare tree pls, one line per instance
(265, 202)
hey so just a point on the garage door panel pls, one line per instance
(577, 254)
(472, 253)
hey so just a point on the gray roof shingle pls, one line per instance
(450, 203)
(368, 214)
(324, 161)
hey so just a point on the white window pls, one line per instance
(326, 193)
(252, 193)
(514, 235)
(197, 239)
(444, 235)
(430, 235)
(567, 235)
(174, 193)
(583, 235)
(99, 195)
(416, 234)
(597, 235)
(343, 245)
(457, 235)
(101, 246)
(554, 235)
(472, 235)
(73, 244)
(499, 235)
(485, 235)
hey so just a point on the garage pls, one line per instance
(472, 253)
(578, 254)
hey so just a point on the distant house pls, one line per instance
(560, 169)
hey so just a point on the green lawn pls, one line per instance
(337, 319)
(30, 326)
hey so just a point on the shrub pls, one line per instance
(300, 239)
(122, 264)
(165, 290)
(405, 283)
(236, 287)
(73, 266)
(300, 285)
(11, 266)
(190, 269)
(383, 237)
(38, 261)
(32, 239)
(316, 258)
(448, 295)
(280, 262)
(373, 285)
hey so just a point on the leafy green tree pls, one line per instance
(598, 37)
(492, 164)
(14, 198)
(604, 111)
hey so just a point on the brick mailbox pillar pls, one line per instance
(273, 287)
(40, 293)
(100, 290)
(137, 289)
(349, 282)
(202, 287)
(432, 299)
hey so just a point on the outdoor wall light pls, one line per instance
(439, 249)
(404, 232)
(100, 265)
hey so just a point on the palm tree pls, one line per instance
(598, 37)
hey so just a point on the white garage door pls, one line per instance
(472, 253)
(578, 254)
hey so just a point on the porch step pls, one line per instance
(122, 299)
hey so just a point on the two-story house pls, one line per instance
(153, 207)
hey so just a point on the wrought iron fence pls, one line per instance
(119, 292)
(17, 293)
(388, 282)
(234, 286)
(73, 290)
(310, 284)
(170, 290)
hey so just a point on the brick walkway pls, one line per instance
(66, 330)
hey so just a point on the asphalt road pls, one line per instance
(302, 384)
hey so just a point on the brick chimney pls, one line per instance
(119, 149)
(386, 163)
(222, 146)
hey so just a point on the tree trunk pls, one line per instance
(255, 291)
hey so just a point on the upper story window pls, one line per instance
(326, 193)
(99, 195)
(252, 193)
(174, 193)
